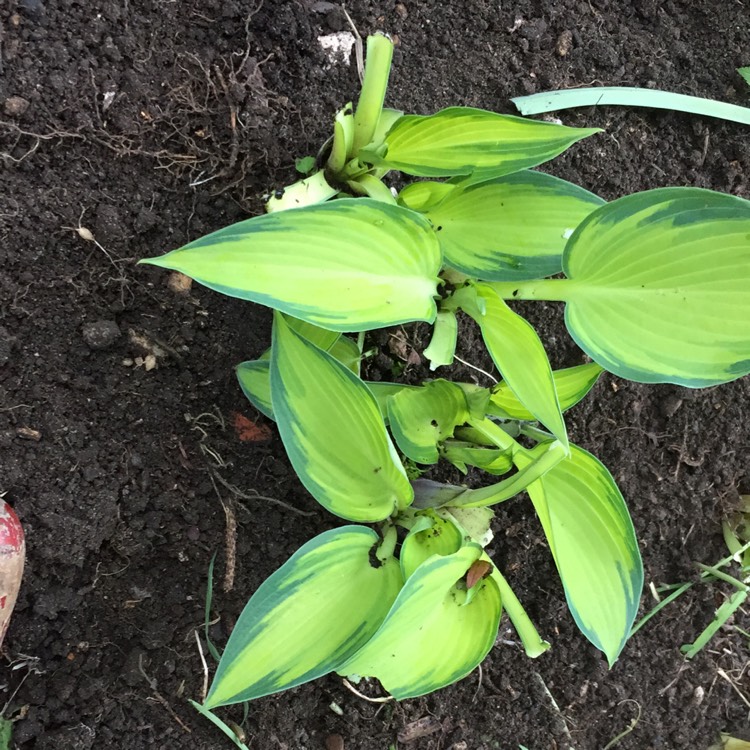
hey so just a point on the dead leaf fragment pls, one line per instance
(564, 43)
(248, 431)
(27, 433)
(479, 570)
(423, 727)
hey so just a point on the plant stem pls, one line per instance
(388, 545)
(307, 192)
(370, 104)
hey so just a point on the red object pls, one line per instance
(248, 431)
(12, 557)
(478, 570)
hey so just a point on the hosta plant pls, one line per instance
(656, 287)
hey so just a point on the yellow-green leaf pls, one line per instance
(468, 141)
(430, 535)
(658, 287)
(436, 631)
(512, 227)
(591, 537)
(349, 265)
(518, 353)
(571, 383)
(333, 432)
(309, 617)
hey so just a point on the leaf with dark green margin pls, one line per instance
(518, 353)
(571, 383)
(332, 430)
(420, 419)
(254, 376)
(658, 287)
(442, 345)
(468, 141)
(308, 617)
(592, 539)
(349, 265)
(509, 228)
(436, 631)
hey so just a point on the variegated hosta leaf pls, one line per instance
(420, 419)
(349, 265)
(518, 353)
(436, 631)
(512, 227)
(430, 535)
(333, 432)
(420, 196)
(571, 383)
(309, 617)
(254, 376)
(659, 287)
(591, 537)
(467, 141)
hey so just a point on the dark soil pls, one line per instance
(152, 122)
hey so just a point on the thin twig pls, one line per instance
(204, 691)
(246, 496)
(348, 685)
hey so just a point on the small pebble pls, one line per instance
(15, 106)
(27, 433)
(179, 283)
(334, 742)
(101, 334)
(564, 43)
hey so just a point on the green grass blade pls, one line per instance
(625, 96)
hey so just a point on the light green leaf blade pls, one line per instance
(333, 432)
(432, 637)
(434, 536)
(512, 227)
(349, 265)
(518, 353)
(592, 539)
(659, 287)
(254, 376)
(462, 454)
(308, 617)
(420, 419)
(420, 196)
(745, 73)
(468, 141)
(571, 383)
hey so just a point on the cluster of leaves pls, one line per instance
(656, 287)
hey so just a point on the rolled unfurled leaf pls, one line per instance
(309, 617)
(350, 265)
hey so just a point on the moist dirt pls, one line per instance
(131, 457)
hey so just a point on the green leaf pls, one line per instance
(518, 353)
(443, 342)
(512, 227)
(254, 376)
(420, 196)
(745, 73)
(463, 141)
(333, 432)
(422, 418)
(462, 454)
(308, 617)
(659, 287)
(435, 633)
(593, 542)
(350, 265)
(431, 535)
(571, 383)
